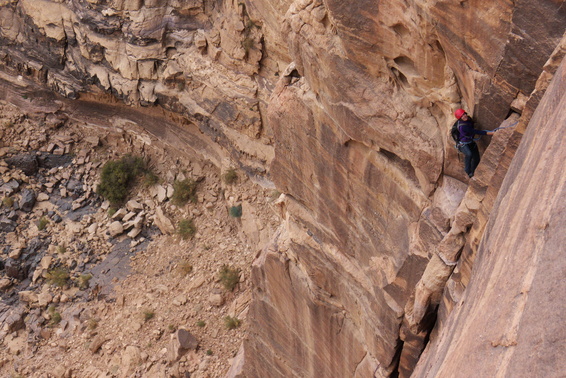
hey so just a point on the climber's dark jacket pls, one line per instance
(467, 131)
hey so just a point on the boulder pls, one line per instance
(5, 283)
(96, 343)
(115, 228)
(161, 193)
(131, 357)
(162, 222)
(14, 320)
(41, 197)
(7, 225)
(27, 202)
(181, 342)
(13, 269)
(44, 298)
(134, 205)
(27, 163)
(10, 187)
(28, 296)
(216, 300)
(121, 213)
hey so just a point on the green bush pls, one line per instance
(274, 195)
(236, 211)
(150, 179)
(229, 277)
(230, 177)
(118, 176)
(42, 223)
(54, 315)
(201, 323)
(184, 191)
(185, 268)
(231, 322)
(84, 280)
(58, 276)
(186, 229)
(247, 43)
(8, 201)
(92, 324)
(148, 315)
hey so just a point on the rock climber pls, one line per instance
(465, 140)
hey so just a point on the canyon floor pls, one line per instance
(133, 298)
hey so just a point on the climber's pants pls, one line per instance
(472, 157)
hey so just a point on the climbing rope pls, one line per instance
(505, 127)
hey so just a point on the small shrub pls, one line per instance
(184, 191)
(58, 276)
(209, 352)
(118, 176)
(84, 280)
(201, 323)
(92, 324)
(230, 177)
(61, 249)
(42, 223)
(231, 323)
(186, 229)
(8, 201)
(148, 315)
(229, 277)
(54, 315)
(171, 328)
(111, 211)
(274, 195)
(150, 179)
(185, 268)
(236, 211)
(247, 44)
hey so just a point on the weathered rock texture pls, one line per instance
(345, 106)
(509, 321)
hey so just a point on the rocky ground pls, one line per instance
(91, 291)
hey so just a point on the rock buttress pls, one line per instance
(509, 320)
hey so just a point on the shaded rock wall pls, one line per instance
(345, 106)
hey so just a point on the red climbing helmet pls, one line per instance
(459, 113)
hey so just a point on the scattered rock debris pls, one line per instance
(88, 290)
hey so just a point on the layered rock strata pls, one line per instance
(345, 107)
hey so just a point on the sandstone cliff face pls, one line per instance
(508, 322)
(345, 107)
(377, 235)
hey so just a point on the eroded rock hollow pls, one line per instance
(345, 107)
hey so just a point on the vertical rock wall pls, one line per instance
(509, 322)
(345, 106)
(375, 223)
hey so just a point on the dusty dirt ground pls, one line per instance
(126, 324)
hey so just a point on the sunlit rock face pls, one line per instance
(375, 222)
(345, 107)
(510, 322)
